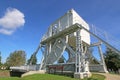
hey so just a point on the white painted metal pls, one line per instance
(102, 59)
(64, 24)
(70, 18)
(56, 51)
(70, 32)
(101, 36)
(85, 36)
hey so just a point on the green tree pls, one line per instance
(17, 58)
(0, 59)
(32, 60)
(112, 60)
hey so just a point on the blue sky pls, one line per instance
(35, 16)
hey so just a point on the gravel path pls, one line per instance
(111, 76)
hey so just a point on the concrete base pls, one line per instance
(78, 75)
(33, 72)
(82, 75)
(87, 74)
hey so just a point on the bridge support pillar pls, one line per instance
(81, 64)
(78, 75)
(82, 75)
(104, 69)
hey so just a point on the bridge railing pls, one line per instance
(106, 37)
(59, 25)
(65, 22)
(71, 18)
(25, 68)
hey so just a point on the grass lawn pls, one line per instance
(10, 78)
(51, 77)
(96, 77)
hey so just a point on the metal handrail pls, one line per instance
(100, 34)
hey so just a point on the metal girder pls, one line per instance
(105, 42)
(56, 51)
(96, 44)
(65, 32)
(68, 47)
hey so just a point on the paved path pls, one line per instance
(111, 76)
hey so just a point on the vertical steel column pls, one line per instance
(78, 52)
(68, 20)
(50, 46)
(46, 53)
(41, 65)
(102, 58)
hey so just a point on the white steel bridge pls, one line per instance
(72, 34)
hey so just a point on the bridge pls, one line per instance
(71, 34)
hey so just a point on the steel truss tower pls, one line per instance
(63, 35)
(72, 34)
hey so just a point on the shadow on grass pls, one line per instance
(91, 79)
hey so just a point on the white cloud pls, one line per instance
(7, 32)
(12, 20)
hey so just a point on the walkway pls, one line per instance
(110, 76)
